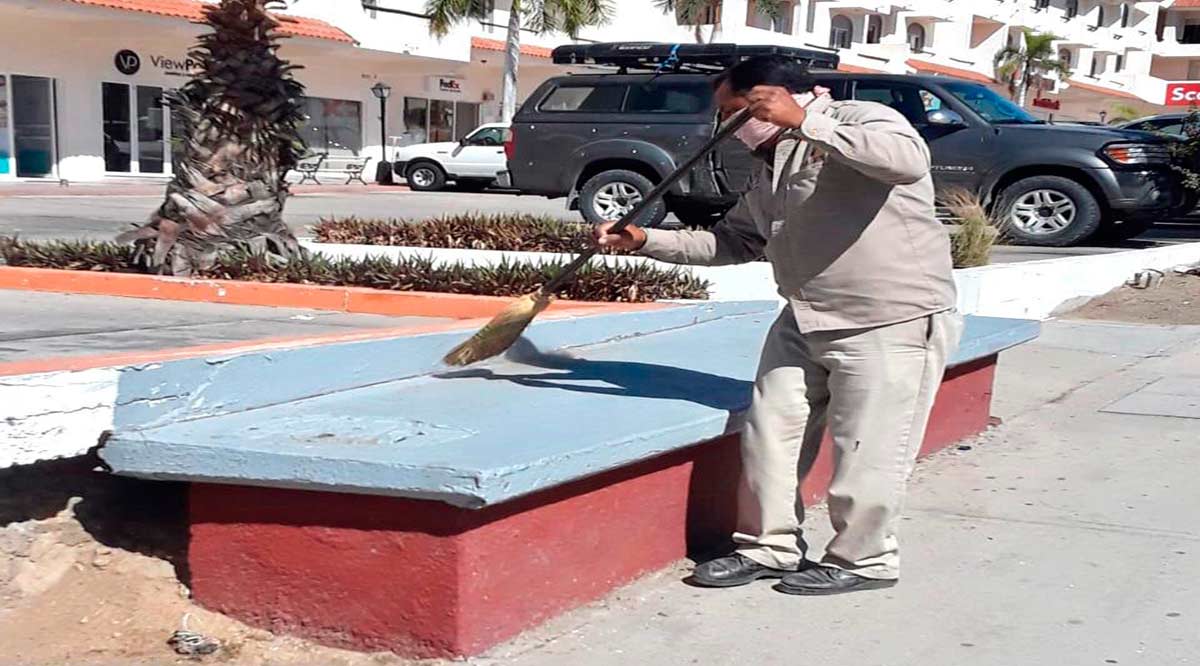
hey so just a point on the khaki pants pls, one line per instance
(874, 389)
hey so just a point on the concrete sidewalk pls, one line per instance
(1069, 535)
(38, 325)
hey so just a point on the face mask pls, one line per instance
(758, 132)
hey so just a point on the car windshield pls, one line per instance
(990, 105)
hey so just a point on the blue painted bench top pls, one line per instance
(490, 433)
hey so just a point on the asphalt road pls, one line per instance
(44, 217)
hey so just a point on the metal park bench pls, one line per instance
(313, 164)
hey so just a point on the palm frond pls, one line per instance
(445, 14)
(771, 8)
(575, 15)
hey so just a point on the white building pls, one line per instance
(81, 80)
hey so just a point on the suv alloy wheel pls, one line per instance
(609, 195)
(425, 177)
(1050, 211)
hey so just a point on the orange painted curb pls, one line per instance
(235, 292)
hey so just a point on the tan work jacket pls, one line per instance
(846, 217)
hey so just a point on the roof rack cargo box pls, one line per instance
(657, 56)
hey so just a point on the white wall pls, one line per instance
(84, 58)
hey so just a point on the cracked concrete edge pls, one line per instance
(55, 415)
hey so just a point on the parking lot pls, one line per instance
(99, 217)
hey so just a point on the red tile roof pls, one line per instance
(1104, 91)
(1186, 4)
(934, 68)
(497, 45)
(192, 10)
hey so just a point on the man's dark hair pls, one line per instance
(767, 70)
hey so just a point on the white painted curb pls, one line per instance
(1042, 289)
(1028, 290)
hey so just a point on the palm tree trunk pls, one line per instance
(512, 60)
(1024, 88)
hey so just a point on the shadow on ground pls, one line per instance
(146, 517)
(624, 378)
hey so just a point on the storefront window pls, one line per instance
(33, 125)
(466, 119)
(4, 145)
(332, 126)
(435, 120)
(416, 119)
(151, 130)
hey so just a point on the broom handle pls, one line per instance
(732, 125)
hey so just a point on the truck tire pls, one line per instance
(608, 195)
(1050, 211)
(425, 176)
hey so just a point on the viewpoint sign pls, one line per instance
(1183, 94)
(128, 62)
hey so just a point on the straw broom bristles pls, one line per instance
(505, 328)
(501, 332)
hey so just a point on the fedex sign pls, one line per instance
(1183, 94)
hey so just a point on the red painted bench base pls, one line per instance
(425, 579)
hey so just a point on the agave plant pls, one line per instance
(240, 115)
(473, 231)
(595, 282)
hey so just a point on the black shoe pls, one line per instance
(732, 571)
(828, 580)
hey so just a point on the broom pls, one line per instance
(505, 328)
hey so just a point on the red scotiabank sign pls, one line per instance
(1183, 94)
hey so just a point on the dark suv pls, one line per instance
(603, 139)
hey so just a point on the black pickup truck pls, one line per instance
(603, 139)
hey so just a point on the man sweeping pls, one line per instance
(843, 207)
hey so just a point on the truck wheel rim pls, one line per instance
(422, 177)
(1043, 212)
(614, 200)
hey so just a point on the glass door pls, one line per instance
(441, 121)
(416, 120)
(33, 125)
(118, 136)
(5, 145)
(135, 126)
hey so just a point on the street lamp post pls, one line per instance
(383, 171)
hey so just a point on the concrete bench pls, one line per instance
(372, 500)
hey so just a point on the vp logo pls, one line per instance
(127, 62)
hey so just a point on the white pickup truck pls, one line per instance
(472, 162)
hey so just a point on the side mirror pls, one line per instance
(945, 118)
